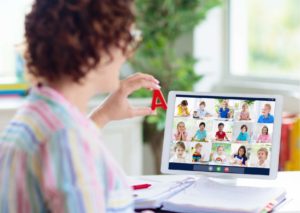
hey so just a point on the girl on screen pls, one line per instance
(181, 134)
(264, 137)
(179, 150)
(240, 157)
(219, 156)
(245, 115)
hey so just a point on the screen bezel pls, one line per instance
(275, 142)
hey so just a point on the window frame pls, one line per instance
(11, 76)
(285, 84)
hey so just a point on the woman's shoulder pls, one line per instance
(22, 133)
(36, 123)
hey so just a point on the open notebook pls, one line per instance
(205, 195)
(153, 197)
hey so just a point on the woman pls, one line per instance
(52, 157)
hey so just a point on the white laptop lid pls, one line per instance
(222, 135)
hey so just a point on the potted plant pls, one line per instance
(162, 24)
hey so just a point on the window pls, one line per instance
(12, 14)
(264, 39)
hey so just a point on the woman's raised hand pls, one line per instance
(117, 106)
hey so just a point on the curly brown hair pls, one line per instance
(70, 37)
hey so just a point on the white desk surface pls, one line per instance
(288, 180)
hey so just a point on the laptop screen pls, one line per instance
(222, 134)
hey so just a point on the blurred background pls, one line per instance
(250, 46)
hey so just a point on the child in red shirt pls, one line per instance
(221, 135)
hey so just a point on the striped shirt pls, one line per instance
(52, 159)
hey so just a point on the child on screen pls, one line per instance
(244, 135)
(240, 157)
(201, 112)
(219, 156)
(179, 150)
(245, 115)
(262, 156)
(181, 134)
(224, 111)
(200, 134)
(182, 108)
(264, 137)
(221, 135)
(266, 117)
(195, 114)
(197, 156)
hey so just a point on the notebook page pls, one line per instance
(158, 192)
(209, 196)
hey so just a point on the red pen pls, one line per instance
(141, 186)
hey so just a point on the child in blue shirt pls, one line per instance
(201, 112)
(224, 111)
(266, 117)
(200, 134)
(244, 135)
(240, 157)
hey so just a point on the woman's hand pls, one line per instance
(117, 106)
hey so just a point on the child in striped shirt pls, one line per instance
(52, 156)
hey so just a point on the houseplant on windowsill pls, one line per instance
(162, 24)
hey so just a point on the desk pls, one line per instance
(288, 180)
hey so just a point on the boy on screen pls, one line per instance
(224, 111)
(201, 110)
(200, 134)
(182, 108)
(244, 135)
(221, 135)
(266, 117)
(197, 155)
(262, 156)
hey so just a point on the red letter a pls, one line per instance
(157, 95)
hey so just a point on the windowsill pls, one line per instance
(12, 103)
(289, 88)
(9, 80)
(290, 93)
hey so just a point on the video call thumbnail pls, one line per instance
(231, 132)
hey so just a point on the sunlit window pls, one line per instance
(264, 38)
(12, 14)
